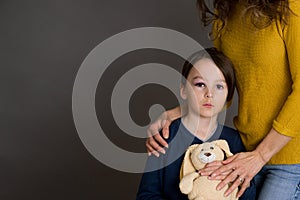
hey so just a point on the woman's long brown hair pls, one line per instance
(265, 11)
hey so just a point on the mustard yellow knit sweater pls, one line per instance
(267, 66)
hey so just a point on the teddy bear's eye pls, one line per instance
(202, 149)
(212, 148)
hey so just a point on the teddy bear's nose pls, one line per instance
(207, 154)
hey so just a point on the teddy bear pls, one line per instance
(199, 187)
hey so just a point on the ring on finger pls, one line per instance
(241, 180)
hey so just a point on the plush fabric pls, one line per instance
(195, 158)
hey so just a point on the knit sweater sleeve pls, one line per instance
(288, 120)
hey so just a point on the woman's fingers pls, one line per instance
(210, 168)
(229, 159)
(155, 141)
(235, 180)
(239, 182)
(244, 167)
(165, 130)
(243, 187)
(153, 147)
(150, 150)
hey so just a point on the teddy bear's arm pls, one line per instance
(186, 183)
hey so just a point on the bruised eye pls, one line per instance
(200, 84)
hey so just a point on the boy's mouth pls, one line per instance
(208, 105)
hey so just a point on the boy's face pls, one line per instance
(205, 89)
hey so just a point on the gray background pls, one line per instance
(42, 45)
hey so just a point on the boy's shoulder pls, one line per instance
(173, 128)
(229, 133)
(229, 130)
(233, 139)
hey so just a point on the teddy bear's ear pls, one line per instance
(187, 166)
(224, 146)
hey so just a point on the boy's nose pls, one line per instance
(209, 94)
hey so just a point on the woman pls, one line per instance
(262, 40)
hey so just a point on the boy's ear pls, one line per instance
(183, 92)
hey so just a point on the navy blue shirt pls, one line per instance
(162, 175)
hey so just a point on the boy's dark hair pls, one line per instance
(222, 62)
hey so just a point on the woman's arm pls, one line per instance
(155, 141)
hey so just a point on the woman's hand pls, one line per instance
(246, 165)
(155, 142)
(212, 167)
(240, 170)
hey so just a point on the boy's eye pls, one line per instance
(220, 87)
(202, 85)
